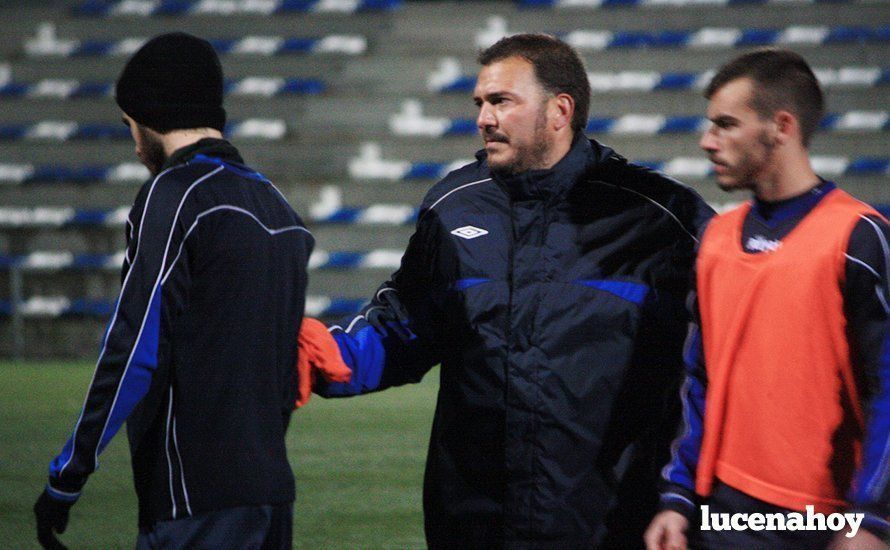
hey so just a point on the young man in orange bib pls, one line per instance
(787, 397)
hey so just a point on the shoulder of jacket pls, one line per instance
(465, 177)
(183, 174)
(616, 170)
(182, 179)
(643, 184)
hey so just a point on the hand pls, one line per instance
(864, 540)
(667, 531)
(317, 353)
(52, 515)
(390, 314)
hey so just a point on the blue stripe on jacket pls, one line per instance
(871, 484)
(632, 292)
(137, 379)
(133, 387)
(687, 447)
(363, 352)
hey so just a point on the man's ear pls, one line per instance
(787, 127)
(562, 110)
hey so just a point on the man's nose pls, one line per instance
(708, 142)
(486, 118)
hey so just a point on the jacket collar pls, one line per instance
(777, 212)
(211, 147)
(583, 157)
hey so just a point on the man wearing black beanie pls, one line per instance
(199, 355)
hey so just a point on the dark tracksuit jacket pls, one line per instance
(199, 355)
(553, 300)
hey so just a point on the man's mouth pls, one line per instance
(494, 139)
(719, 167)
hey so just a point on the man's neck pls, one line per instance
(792, 176)
(561, 147)
(177, 139)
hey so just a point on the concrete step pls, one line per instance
(353, 284)
(871, 188)
(458, 21)
(353, 111)
(407, 66)
(484, 29)
(79, 241)
(345, 237)
(288, 161)
(279, 161)
(667, 102)
(321, 67)
(101, 196)
(659, 146)
(409, 75)
(207, 26)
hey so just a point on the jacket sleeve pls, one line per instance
(129, 351)
(866, 308)
(401, 350)
(678, 476)
(677, 485)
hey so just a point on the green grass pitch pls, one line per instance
(358, 463)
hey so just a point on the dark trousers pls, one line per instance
(726, 500)
(245, 527)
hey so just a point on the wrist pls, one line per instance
(61, 495)
(680, 502)
(875, 525)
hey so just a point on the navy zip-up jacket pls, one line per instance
(553, 300)
(199, 355)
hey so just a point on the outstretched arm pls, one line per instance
(397, 337)
(380, 347)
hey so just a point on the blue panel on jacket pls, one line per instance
(632, 292)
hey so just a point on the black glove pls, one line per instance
(52, 515)
(390, 314)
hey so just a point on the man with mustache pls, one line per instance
(547, 278)
(788, 386)
(199, 354)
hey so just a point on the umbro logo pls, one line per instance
(469, 232)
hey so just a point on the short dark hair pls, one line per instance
(557, 67)
(782, 81)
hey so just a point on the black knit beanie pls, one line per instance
(174, 81)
